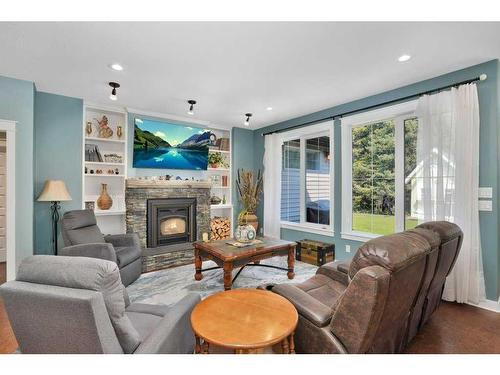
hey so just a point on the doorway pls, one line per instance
(7, 201)
(3, 217)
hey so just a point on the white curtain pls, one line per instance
(448, 151)
(272, 185)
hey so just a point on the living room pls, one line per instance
(249, 188)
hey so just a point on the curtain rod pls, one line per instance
(482, 77)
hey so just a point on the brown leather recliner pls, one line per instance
(449, 239)
(373, 306)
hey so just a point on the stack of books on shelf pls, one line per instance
(92, 153)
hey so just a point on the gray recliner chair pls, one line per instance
(64, 304)
(82, 237)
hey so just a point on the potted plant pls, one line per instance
(250, 191)
(216, 160)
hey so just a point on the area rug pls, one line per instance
(170, 285)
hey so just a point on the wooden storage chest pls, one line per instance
(315, 252)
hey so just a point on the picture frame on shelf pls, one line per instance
(90, 205)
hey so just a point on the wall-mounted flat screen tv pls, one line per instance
(167, 146)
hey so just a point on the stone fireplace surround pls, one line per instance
(137, 193)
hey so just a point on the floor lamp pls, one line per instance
(54, 191)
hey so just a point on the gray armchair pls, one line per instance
(82, 237)
(64, 304)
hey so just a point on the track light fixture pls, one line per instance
(247, 121)
(191, 103)
(114, 85)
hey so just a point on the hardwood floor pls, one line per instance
(3, 272)
(453, 328)
(8, 342)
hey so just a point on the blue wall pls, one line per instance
(58, 156)
(242, 158)
(17, 104)
(489, 159)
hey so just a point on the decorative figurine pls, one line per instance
(104, 130)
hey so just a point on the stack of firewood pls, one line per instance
(220, 228)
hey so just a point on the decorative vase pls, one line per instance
(104, 202)
(88, 128)
(245, 233)
(119, 132)
(251, 219)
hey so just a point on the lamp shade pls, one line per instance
(54, 191)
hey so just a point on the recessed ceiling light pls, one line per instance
(117, 67)
(269, 108)
(404, 58)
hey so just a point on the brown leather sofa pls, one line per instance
(377, 302)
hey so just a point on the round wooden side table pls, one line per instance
(245, 321)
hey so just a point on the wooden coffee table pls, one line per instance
(245, 321)
(229, 257)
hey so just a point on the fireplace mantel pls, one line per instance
(135, 183)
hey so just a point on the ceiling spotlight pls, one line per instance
(404, 58)
(269, 108)
(116, 67)
(191, 106)
(114, 85)
(247, 121)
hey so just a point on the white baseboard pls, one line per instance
(488, 305)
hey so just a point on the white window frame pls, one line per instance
(324, 128)
(398, 112)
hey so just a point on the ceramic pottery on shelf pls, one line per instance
(119, 132)
(104, 202)
(215, 200)
(244, 233)
(88, 128)
(250, 218)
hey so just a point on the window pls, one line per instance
(290, 181)
(306, 183)
(379, 188)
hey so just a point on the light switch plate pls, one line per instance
(347, 248)
(485, 205)
(485, 192)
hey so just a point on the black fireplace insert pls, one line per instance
(171, 221)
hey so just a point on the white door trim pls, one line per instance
(10, 202)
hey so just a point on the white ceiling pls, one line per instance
(234, 68)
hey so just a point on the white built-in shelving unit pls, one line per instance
(110, 221)
(222, 209)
